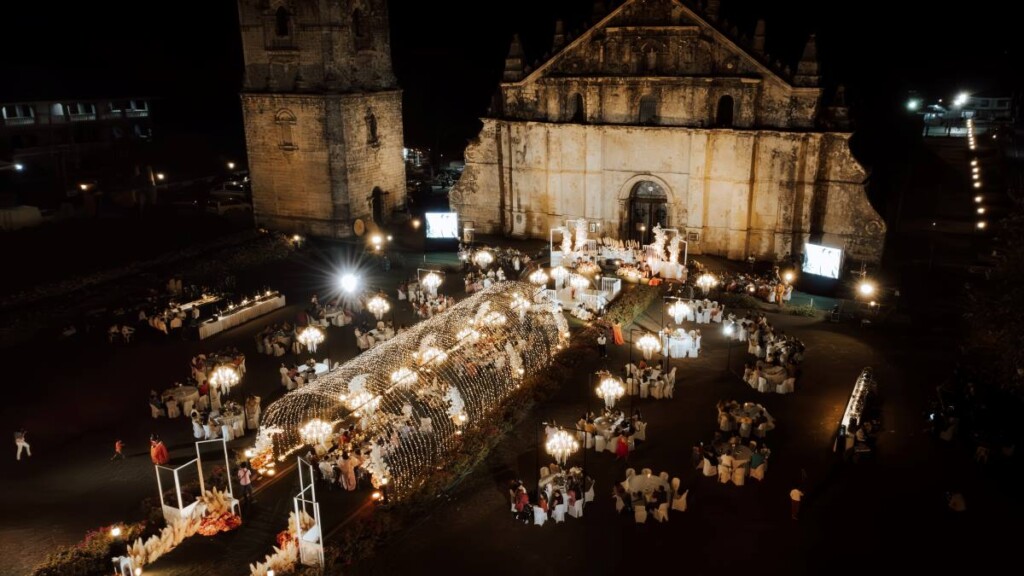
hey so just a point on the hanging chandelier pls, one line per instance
(579, 282)
(310, 337)
(610, 389)
(648, 344)
(483, 258)
(706, 282)
(378, 306)
(538, 278)
(431, 282)
(561, 445)
(678, 311)
(316, 432)
(224, 377)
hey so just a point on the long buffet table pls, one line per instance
(238, 317)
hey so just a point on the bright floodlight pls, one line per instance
(377, 239)
(974, 162)
(866, 288)
(349, 283)
(160, 176)
(788, 277)
(19, 167)
(982, 225)
(977, 184)
(981, 210)
(231, 165)
(977, 199)
(913, 104)
(961, 99)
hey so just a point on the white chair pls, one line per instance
(187, 407)
(544, 472)
(576, 511)
(599, 443)
(589, 440)
(661, 514)
(724, 473)
(630, 473)
(763, 386)
(758, 473)
(226, 432)
(619, 504)
(204, 402)
(539, 516)
(588, 496)
(238, 428)
(786, 387)
(745, 428)
(639, 514)
(559, 513)
(156, 412)
(647, 472)
(645, 387)
(709, 468)
(641, 431)
(679, 502)
(656, 390)
(172, 409)
(739, 475)
(664, 477)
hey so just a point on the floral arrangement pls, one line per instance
(285, 558)
(218, 516)
(90, 556)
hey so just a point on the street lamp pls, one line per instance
(866, 287)
(231, 165)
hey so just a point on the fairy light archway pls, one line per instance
(413, 393)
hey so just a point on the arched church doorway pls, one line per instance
(648, 206)
(377, 205)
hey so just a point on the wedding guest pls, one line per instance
(157, 451)
(21, 442)
(118, 450)
(245, 481)
(622, 447)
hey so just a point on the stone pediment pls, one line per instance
(655, 38)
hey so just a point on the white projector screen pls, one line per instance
(442, 225)
(822, 260)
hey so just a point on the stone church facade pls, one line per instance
(322, 113)
(659, 114)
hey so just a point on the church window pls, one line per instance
(361, 31)
(371, 128)
(724, 114)
(282, 23)
(285, 120)
(648, 109)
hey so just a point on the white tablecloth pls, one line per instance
(320, 368)
(211, 327)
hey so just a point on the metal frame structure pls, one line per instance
(311, 542)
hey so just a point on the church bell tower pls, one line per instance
(322, 113)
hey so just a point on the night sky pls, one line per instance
(449, 57)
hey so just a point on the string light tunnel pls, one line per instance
(413, 394)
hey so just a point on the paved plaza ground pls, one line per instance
(77, 397)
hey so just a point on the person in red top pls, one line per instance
(118, 450)
(157, 450)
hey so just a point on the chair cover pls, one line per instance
(758, 473)
(739, 475)
(619, 504)
(724, 473)
(661, 514)
(639, 514)
(539, 516)
(559, 513)
(679, 503)
(709, 468)
(576, 511)
(599, 443)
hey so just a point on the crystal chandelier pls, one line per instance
(224, 377)
(559, 274)
(362, 400)
(538, 278)
(610, 389)
(648, 344)
(706, 282)
(431, 282)
(316, 432)
(483, 258)
(560, 445)
(678, 311)
(579, 282)
(588, 269)
(310, 337)
(378, 306)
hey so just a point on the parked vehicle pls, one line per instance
(224, 205)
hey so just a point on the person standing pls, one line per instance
(602, 345)
(795, 495)
(21, 443)
(245, 481)
(118, 450)
(157, 450)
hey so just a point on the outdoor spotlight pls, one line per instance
(728, 330)
(376, 239)
(977, 199)
(416, 223)
(788, 276)
(981, 210)
(160, 175)
(249, 452)
(115, 531)
(83, 187)
(375, 495)
(977, 184)
(390, 238)
(138, 572)
(231, 165)
(19, 167)
(296, 238)
(974, 162)
(982, 225)
(913, 104)
(866, 288)
(348, 283)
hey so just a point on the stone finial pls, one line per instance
(759, 37)
(807, 68)
(712, 9)
(514, 61)
(559, 39)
